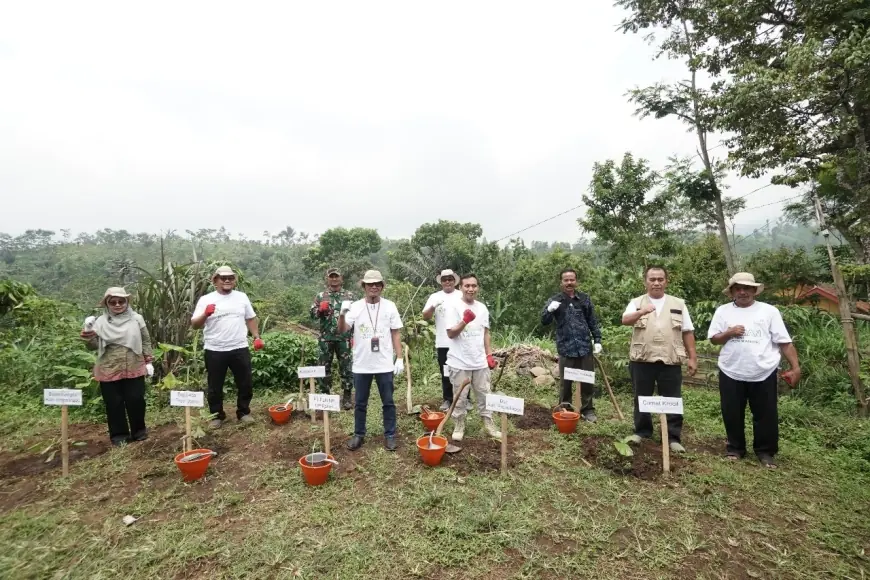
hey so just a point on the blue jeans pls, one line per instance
(362, 384)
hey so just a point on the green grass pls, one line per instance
(387, 516)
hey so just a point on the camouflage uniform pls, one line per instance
(331, 342)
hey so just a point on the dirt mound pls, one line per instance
(535, 417)
(646, 463)
(477, 456)
(522, 358)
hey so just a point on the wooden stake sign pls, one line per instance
(310, 373)
(325, 403)
(506, 406)
(664, 406)
(64, 398)
(186, 399)
(579, 376)
(409, 400)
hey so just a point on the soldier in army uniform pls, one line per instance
(325, 308)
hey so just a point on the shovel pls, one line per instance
(319, 457)
(285, 405)
(609, 390)
(451, 448)
(195, 456)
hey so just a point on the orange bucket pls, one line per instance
(280, 417)
(566, 421)
(315, 474)
(433, 456)
(432, 420)
(194, 469)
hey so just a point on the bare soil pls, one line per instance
(646, 463)
(534, 417)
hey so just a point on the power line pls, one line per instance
(771, 203)
(753, 191)
(539, 223)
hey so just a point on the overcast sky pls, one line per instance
(256, 116)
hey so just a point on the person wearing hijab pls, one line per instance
(123, 360)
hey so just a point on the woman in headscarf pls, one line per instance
(123, 355)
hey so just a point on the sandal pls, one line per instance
(767, 461)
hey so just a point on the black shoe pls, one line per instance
(355, 443)
(141, 436)
(346, 401)
(390, 443)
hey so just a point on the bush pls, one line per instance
(274, 367)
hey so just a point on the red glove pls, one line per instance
(209, 310)
(468, 316)
(259, 344)
(324, 306)
(788, 377)
(490, 360)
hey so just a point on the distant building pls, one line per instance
(821, 296)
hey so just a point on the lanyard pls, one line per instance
(377, 317)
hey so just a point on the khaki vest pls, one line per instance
(659, 337)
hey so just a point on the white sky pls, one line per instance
(256, 116)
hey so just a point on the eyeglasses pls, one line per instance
(227, 278)
(374, 284)
(116, 301)
(448, 279)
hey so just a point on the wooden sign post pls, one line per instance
(310, 373)
(325, 403)
(186, 399)
(664, 406)
(579, 376)
(64, 398)
(506, 406)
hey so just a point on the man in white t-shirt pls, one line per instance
(436, 306)
(470, 354)
(227, 316)
(754, 340)
(377, 354)
(662, 340)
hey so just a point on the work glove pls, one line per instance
(209, 310)
(468, 316)
(345, 306)
(259, 344)
(89, 323)
(490, 360)
(597, 348)
(399, 367)
(149, 369)
(324, 306)
(553, 306)
(437, 302)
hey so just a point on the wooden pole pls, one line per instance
(852, 357)
(609, 390)
(188, 439)
(504, 430)
(666, 449)
(326, 433)
(311, 390)
(410, 401)
(64, 439)
(578, 397)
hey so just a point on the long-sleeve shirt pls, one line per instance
(575, 324)
(119, 362)
(329, 320)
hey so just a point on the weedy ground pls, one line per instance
(569, 507)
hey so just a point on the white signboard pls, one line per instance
(503, 404)
(579, 375)
(311, 372)
(62, 397)
(667, 405)
(321, 402)
(186, 398)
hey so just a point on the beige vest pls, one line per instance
(659, 337)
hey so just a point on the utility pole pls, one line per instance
(846, 319)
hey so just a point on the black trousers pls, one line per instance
(216, 364)
(762, 399)
(446, 385)
(125, 400)
(566, 390)
(646, 378)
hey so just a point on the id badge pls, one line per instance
(376, 344)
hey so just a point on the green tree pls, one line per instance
(348, 249)
(435, 247)
(633, 228)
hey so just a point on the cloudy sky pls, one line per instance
(256, 115)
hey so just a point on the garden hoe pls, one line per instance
(451, 448)
(609, 390)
